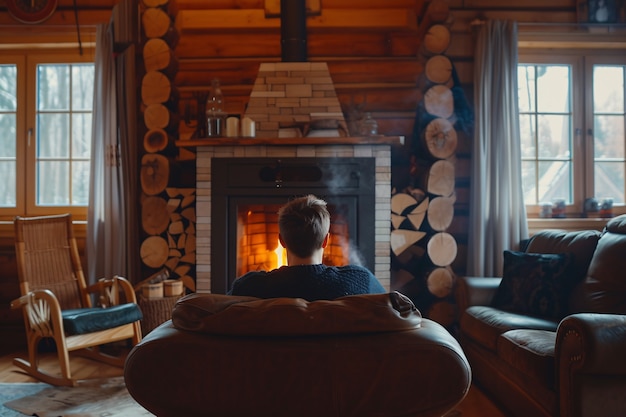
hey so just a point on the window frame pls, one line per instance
(26, 134)
(581, 61)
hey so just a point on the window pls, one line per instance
(45, 116)
(572, 118)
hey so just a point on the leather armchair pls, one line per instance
(569, 366)
(364, 355)
(590, 349)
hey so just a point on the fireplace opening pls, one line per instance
(248, 192)
(258, 247)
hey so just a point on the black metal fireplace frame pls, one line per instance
(346, 182)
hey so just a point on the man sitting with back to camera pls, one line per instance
(304, 225)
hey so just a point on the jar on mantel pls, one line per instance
(369, 126)
(215, 115)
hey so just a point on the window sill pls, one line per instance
(568, 224)
(7, 230)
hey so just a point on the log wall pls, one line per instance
(373, 56)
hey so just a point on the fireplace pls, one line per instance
(246, 196)
(211, 274)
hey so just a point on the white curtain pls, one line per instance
(497, 211)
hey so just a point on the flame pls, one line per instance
(281, 255)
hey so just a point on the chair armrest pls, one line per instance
(590, 344)
(109, 290)
(475, 291)
(42, 312)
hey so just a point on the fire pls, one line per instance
(281, 255)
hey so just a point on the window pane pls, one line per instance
(64, 134)
(608, 89)
(80, 183)
(81, 135)
(53, 184)
(7, 187)
(555, 181)
(82, 87)
(53, 139)
(8, 137)
(527, 136)
(53, 87)
(609, 181)
(553, 136)
(609, 137)
(553, 89)
(526, 88)
(8, 83)
(529, 180)
(546, 132)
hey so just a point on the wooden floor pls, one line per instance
(476, 404)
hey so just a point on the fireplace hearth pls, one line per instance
(246, 196)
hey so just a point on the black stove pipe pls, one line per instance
(293, 30)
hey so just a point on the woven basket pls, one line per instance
(155, 311)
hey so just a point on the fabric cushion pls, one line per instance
(250, 316)
(89, 320)
(534, 284)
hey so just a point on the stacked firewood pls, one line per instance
(167, 209)
(423, 250)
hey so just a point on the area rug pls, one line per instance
(95, 398)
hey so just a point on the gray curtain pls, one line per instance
(112, 247)
(106, 222)
(497, 211)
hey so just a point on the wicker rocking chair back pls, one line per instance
(57, 303)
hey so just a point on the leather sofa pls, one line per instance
(361, 355)
(569, 364)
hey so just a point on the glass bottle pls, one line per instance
(369, 126)
(215, 110)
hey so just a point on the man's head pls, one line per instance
(304, 223)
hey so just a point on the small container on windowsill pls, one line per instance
(558, 209)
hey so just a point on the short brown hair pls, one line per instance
(304, 223)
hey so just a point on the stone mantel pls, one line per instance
(305, 141)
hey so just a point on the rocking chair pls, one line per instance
(57, 303)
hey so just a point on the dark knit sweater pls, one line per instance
(311, 282)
